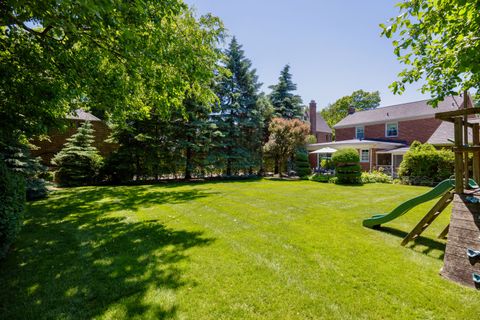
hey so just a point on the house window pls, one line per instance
(391, 130)
(364, 155)
(359, 133)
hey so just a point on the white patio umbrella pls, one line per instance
(325, 150)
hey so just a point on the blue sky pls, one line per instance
(333, 47)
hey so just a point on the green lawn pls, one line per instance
(227, 250)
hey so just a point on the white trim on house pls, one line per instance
(357, 144)
(369, 160)
(386, 129)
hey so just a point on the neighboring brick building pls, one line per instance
(383, 135)
(318, 128)
(57, 138)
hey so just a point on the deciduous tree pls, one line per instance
(360, 100)
(286, 135)
(438, 41)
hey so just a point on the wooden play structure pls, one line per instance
(462, 253)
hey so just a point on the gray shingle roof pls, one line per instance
(322, 125)
(405, 111)
(79, 114)
(444, 132)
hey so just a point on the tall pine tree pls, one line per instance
(239, 117)
(286, 104)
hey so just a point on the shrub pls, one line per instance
(118, 167)
(327, 164)
(425, 165)
(318, 177)
(346, 156)
(347, 167)
(12, 204)
(19, 160)
(78, 162)
(375, 177)
(302, 165)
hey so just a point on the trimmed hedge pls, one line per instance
(12, 204)
(348, 155)
(425, 165)
(302, 165)
(347, 166)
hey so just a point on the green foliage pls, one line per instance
(302, 164)
(118, 167)
(78, 162)
(438, 42)
(125, 59)
(375, 177)
(12, 204)
(286, 104)
(425, 165)
(240, 116)
(360, 100)
(18, 158)
(286, 136)
(327, 164)
(348, 156)
(318, 177)
(347, 167)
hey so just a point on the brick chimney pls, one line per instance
(313, 116)
(351, 110)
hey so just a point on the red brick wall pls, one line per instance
(47, 149)
(344, 134)
(408, 131)
(323, 137)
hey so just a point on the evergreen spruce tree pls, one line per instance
(239, 117)
(79, 161)
(18, 158)
(286, 104)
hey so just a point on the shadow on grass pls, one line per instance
(74, 262)
(429, 244)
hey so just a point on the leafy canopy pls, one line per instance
(360, 100)
(437, 40)
(123, 57)
(286, 136)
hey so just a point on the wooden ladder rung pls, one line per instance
(429, 217)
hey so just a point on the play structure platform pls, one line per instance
(462, 253)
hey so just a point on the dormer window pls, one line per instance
(359, 133)
(391, 130)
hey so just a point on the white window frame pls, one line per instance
(363, 129)
(361, 159)
(386, 129)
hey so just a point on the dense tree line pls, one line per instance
(225, 138)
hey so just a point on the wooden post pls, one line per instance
(466, 172)
(476, 154)
(458, 156)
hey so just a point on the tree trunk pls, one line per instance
(188, 165)
(277, 167)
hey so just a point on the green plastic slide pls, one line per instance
(438, 191)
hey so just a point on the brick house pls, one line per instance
(46, 149)
(383, 135)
